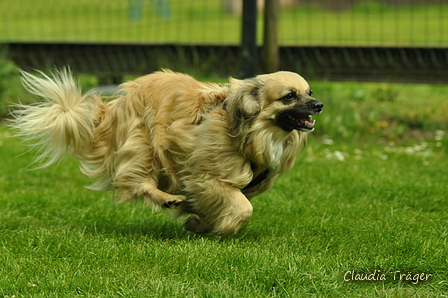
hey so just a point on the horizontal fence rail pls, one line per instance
(390, 64)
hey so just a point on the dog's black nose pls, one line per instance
(316, 106)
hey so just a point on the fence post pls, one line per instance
(270, 38)
(249, 38)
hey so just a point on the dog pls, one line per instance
(203, 149)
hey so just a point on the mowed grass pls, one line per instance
(204, 21)
(357, 200)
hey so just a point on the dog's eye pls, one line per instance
(311, 92)
(289, 96)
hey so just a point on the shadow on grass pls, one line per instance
(152, 228)
(157, 229)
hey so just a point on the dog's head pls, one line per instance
(281, 99)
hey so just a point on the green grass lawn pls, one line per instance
(205, 21)
(358, 200)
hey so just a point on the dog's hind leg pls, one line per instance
(139, 181)
(156, 198)
(137, 173)
(197, 225)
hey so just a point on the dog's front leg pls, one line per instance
(222, 209)
(236, 212)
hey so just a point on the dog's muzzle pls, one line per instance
(300, 116)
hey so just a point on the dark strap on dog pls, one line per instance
(257, 180)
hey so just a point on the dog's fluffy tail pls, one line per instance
(62, 123)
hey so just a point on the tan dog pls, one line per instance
(204, 148)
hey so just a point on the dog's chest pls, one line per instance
(276, 152)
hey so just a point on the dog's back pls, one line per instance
(170, 96)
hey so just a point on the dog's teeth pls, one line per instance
(310, 123)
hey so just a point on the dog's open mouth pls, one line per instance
(291, 121)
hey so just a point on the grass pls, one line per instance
(366, 23)
(392, 112)
(364, 200)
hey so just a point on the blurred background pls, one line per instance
(218, 22)
(395, 40)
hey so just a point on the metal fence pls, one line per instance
(389, 40)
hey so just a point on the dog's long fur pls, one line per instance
(204, 148)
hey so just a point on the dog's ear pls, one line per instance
(243, 103)
(244, 98)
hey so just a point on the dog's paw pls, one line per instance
(175, 202)
(197, 225)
